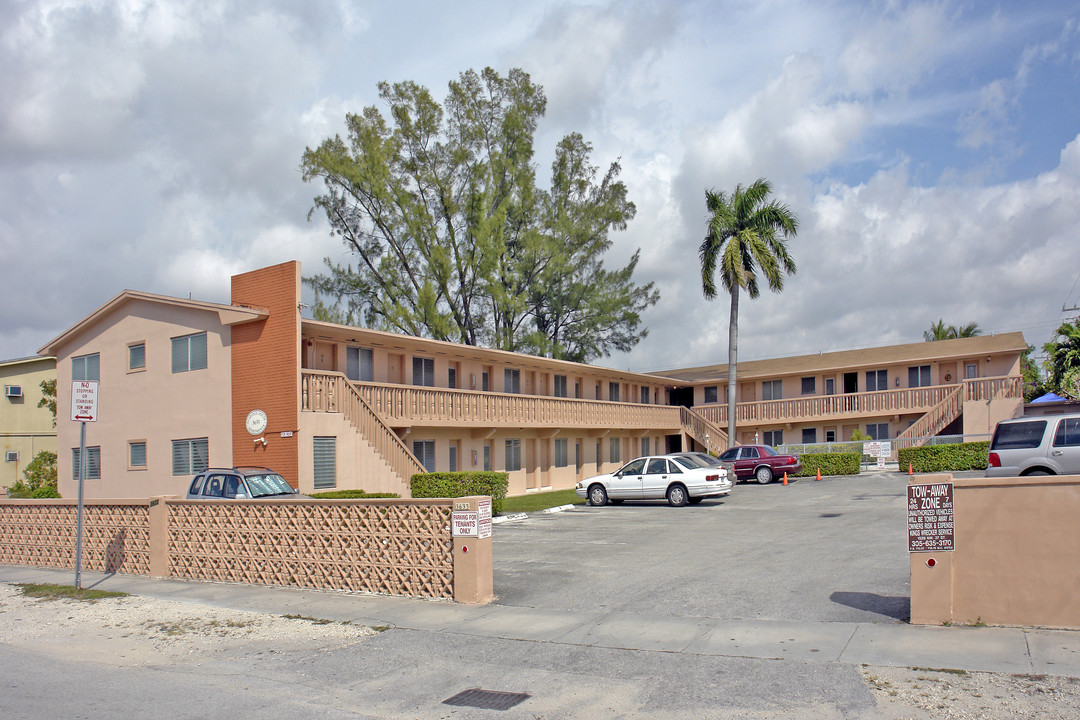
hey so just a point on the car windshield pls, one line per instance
(688, 462)
(268, 484)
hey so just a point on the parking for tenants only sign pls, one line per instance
(930, 518)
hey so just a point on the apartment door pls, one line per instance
(324, 356)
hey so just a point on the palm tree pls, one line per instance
(941, 331)
(1063, 359)
(746, 232)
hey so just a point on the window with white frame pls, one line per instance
(513, 454)
(561, 456)
(773, 437)
(325, 452)
(423, 371)
(919, 376)
(137, 356)
(93, 463)
(830, 436)
(190, 456)
(424, 450)
(189, 353)
(830, 386)
(86, 367)
(137, 454)
(971, 371)
(878, 431)
(512, 381)
(711, 393)
(359, 363)
(560, 386)
(772, 390)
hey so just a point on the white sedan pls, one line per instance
(677, 478)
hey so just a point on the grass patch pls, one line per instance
(380, 628)
(312, 620)
(51, 591)
(950, 671)
(540, 501)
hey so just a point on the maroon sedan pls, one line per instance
(761, 462)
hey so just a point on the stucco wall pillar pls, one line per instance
(474, 581)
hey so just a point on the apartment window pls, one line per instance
(644, 396)
(487, 458)
(560, 386)
(772, 390)
(485, 382)
(830, 436)
(878, 431)
(360, 364)
(577, 389)
(809, 436)
(93, 463)
(774, 438)
(877, 380)
(918, 376)
(512, 381)
(613, 391)
(613, 450)
(711, 392)
(561, 459)
(513, 455)
(424, 450)
(325, 461)
(86, 367)
(137, 455)
(451, 378)
(830, 386)
(644, 446)
(809, 385)
(423, 371)
(453, 457)
(190, 456)
(971, 371)
(137, 356)
(189, 353)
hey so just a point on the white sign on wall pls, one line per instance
(484, 518)
(84, 401)
(463, 523)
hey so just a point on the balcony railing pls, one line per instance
(854, 405)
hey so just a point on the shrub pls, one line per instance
(351, 495)
(39, 478)
(945, 458)
(836, 463)
(462, 484)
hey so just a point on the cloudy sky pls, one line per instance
(930, 149)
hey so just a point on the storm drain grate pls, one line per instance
(486, 699)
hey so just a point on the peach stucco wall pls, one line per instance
(153, 405)
(1017, 556)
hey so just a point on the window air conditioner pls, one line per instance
(13, 390)
(11, 456)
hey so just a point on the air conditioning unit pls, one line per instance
(11, 456)
(13, 390)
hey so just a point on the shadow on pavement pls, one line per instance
(898, 608)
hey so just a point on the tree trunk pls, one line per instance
(732, 359)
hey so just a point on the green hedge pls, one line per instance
(945, 458)
(462, 484)
(351, 495)
(845, 463)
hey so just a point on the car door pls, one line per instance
(625, 483)
(655, 481)
(747, 462)
(1065, 448)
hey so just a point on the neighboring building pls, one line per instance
(25, 428)
(185, 384)
(918, 390)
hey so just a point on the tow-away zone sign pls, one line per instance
(930, 518)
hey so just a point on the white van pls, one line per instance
(1044, 445)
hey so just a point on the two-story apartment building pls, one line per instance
(25, 428)
(186, 384)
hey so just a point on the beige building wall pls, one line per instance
(25, 429)
(151, 405)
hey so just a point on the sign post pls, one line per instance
(83, 410)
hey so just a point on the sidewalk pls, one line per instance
(1006, 650)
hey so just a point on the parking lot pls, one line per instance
(829, 550)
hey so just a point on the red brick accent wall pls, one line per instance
(266, 368)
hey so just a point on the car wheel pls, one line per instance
(676, 496)
(1037, 472)
(695, 500)
(598, 495)
(763, 475)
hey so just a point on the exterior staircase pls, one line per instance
(702, 430)
(934, 421)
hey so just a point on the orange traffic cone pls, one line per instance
(818, 474)
(910, 469)
(785, 478)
